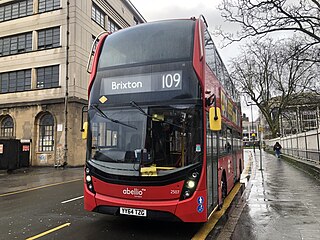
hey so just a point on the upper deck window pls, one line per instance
(149, 43)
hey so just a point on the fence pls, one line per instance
(304, 145)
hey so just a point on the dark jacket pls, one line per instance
(277, 146)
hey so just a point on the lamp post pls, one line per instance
(260, 146)
(252, 133)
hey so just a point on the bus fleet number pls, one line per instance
(171, 80)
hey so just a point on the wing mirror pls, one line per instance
(84, 125)
(214, 113)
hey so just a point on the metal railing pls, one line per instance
(309, 155)
(304, 146)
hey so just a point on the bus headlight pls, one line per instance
(190, 184)
(89, 180)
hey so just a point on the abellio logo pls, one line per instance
(134, 192)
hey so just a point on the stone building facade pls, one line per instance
(44, 48)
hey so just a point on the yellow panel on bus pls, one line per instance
(215, 119)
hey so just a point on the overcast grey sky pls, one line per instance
(170, 9)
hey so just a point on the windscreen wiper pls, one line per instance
(135, 105)
(102, 114)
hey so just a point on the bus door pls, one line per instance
(233, 139)
(212, 171)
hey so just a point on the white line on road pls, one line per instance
(73, 199)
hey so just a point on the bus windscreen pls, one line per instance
(164, 136)
(168, 40)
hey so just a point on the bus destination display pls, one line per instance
(151, 82)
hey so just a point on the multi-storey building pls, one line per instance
(250, 133)
(301, 115)
(44, 47)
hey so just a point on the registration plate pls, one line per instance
(133, 212)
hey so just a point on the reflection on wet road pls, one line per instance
(282, 202)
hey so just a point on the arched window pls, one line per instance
(46, 127)
(6, 127)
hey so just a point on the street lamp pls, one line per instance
(252, 134)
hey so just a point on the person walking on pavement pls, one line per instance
(277, 149)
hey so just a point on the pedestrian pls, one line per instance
(277, 149)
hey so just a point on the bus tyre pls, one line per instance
(224, 190)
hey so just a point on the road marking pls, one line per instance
(215, 216)
(49, 231)
(73, 199)
(36, 188)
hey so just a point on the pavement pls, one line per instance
(280, 201)
(33, 177)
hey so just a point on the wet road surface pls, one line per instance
(280, 202)
(26, 214)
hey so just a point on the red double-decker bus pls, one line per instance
(163, 126)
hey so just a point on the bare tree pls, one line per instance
(259, 17)
(271, 75)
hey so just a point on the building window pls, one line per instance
(289, 123)
(48, 5)
(49, 38)
(16, 81)
(16, 44)
(16, 9)
(48, 77)
(309, 120)
(46, 127)
(97, 15)
(112, 26)
(6, 127)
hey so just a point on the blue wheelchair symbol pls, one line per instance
(200, 208)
